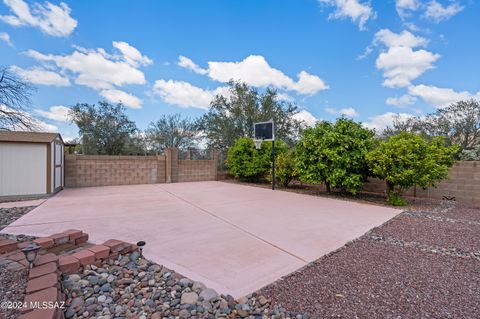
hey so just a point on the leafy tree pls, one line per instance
(245, 162)
(171, 131)
(231, 117)
(459, 123)
(408, 159)
(14, 98)
(334, 154)
(285, 167)
(104, 128)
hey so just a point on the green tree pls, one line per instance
(245, 162)
(104, 129)
(171, 131)
(459, 123)
(408, 159)
(334, 154)
(232, 117)
(285, 167)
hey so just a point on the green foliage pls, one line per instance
(171, 131)
(285, 167)
(459, 123)
(245, 162)
(104, 128)
(408, 159)
(394, 199)
(472, 154)
(334, 154)
(230, 118)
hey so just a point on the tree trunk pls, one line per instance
(327, 185)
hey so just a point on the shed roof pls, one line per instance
(27, 137)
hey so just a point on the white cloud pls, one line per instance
(437, 12)
(348, 111)
(306, 117)
(187, 63)
(440, 97)
(94, 68)
(183, 94)
(5, 37)
(403, 100)
(402, 39)
(358, 12)
(39, 75)
(380, 122)
(404, 6)
(34, 123)
(118, 96)
(49, 18)
(131, 55)
(57, 113)
(401, 63)
(255, 71)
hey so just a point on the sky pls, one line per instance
(368, 60)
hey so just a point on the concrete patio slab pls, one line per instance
(232, 237)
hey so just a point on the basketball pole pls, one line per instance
(273, 165)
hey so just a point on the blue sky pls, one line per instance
(370, 60)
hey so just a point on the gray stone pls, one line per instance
(184, 313)
(69, 313)
(102, 298)
(185, 282)
(106, 287)
(198, 286)
(209, 294)
(189, 298)
(77, 304)
(155, 268)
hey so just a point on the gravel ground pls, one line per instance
(422, 264)
(463, 213)
(369, 279)
(430, 232)
(132, 287)
(9, 215)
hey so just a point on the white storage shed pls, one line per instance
(31, 163)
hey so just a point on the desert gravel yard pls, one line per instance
(417, 265)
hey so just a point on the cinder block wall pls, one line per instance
(106, 170)
(463, 184)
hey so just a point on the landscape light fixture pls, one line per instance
(30, 253)
(140, 245)
(258, 144)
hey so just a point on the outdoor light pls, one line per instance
(30, 253)
(140, 245)
(258, 144)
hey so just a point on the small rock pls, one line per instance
(102, 298)
(198, 286)
(189, 298)
(209, 294)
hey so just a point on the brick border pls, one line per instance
(43, 279)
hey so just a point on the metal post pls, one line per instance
(273, 165)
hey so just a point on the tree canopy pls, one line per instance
(459, 123)
(14, 99)
(104, 128)
(171, 131)
(334, 154)
(231, 117)
(408, 159)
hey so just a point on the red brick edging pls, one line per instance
(44, 298)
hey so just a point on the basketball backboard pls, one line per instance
(264, 131)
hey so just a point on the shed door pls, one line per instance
(23, 169)
(58, 161)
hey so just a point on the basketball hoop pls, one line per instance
(258, 144)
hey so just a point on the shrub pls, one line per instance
(245, 162)
(284, 168)
(407, 160)
(334, 154)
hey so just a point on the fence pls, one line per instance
(106, 170)
(463, 184)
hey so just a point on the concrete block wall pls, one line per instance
(106, 170)
(463, 183)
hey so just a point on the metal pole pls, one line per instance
(273, 165)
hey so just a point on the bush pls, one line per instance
(407, 160)
(245, 162)
(284, 168)
(334, 154)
